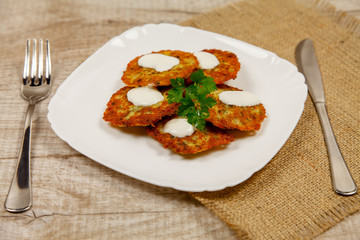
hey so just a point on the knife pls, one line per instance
(306, 60)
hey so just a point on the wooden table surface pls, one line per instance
(74, 197)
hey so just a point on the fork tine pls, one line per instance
(33, 63)
(48, 62)
(26, 62)
(41, 64)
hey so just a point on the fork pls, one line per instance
(35, 87)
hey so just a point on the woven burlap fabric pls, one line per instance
(292, 197)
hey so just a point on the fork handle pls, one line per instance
(19, 198)
(343, 183)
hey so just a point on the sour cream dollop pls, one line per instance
(157, 61)
(179, 127)
(239, 98)
(144, 96)
(206, 60)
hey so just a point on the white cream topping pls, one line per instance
(179, 127)
(144, 96)
(239, 98)
(159, 62)
(206, 60)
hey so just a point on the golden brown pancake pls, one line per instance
(235, 117)
(123, 113)
(228, 66)
(199, 141)
(136, 75)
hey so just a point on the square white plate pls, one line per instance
(76, 110)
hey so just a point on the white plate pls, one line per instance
(75, 111)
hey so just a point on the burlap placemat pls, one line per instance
(292, 197)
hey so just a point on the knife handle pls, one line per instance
(343, 182)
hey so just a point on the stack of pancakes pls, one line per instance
(123, 113)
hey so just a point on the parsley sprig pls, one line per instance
(195, 103)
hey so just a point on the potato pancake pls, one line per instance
(123, 113)
(227, 69)
(199, 141)
(235, 117)
(136, 75)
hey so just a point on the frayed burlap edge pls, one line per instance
(342, 18)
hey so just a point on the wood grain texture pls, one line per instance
(74, 197)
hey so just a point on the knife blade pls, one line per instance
(306, 60)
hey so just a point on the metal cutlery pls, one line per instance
(305, 55)
(35, 87)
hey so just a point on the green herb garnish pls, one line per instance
(195, 103)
